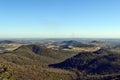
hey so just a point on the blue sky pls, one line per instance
(59, 18)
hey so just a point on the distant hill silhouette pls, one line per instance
(95, 41)
(7, 41)
(74, 43)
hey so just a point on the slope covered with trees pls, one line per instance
(29, 62)
(101, 62)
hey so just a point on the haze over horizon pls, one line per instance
(59, 19)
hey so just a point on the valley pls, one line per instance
(59, 60)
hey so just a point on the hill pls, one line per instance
(98, 62)
(29, 62)
(6, 42)
(67, 44)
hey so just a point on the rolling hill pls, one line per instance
(99, 62)
(29, 62)
(36, 62)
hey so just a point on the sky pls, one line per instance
(59, 18)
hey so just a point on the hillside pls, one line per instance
(36, 62)
(98, 62)
(29, 62)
